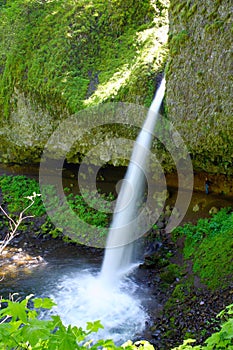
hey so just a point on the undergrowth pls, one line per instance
(209, 244)
(22, 328)
(15, 189)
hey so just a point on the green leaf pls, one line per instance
(213, 340)
(79, 333)
(16, 310)
(63, 339)
(227, 329)
(45, 303)
(36, 330)
(94, 326)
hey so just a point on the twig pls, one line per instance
(15, 224)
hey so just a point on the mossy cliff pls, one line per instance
(58, 57)
(199, 80)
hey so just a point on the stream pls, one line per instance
(70, 277)
(70, 273)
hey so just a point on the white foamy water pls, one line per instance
(82, 298)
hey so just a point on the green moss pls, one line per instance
(198, 64)
(209, 244)
(213, 261)
(59, 46)
(176, 7)
(183, 9)
(177, 41)
(192, 10)
(170, 273)
(217, 24)
(59, 57)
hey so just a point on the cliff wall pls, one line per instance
(199, 80)
(61, 56)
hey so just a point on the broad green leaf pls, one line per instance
(213, 339)
(227, 329)
(79, 333)
(15, 310)
(186, 346)
(63, 339)
(94, 326)
(44, 303)
(37, 330)
(7, 328)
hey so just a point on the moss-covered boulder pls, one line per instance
(199, 80)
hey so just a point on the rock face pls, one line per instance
(26, 130)
(199, 80)
(58, 58)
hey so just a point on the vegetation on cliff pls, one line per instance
(209, 245)
(60, 56)
(203, 285)
(16, 190)
(57, 52)
(199, 88)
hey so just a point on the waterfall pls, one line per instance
(124, 228)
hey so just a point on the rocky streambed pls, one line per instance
(185, 307)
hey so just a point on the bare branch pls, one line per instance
(15, 224)
(8, 217)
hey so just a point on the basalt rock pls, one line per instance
(199, 88)
(95, 58)
(74, 57)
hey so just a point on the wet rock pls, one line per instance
(160, 224)
(153, 248)
(13, 260)
(156, 334)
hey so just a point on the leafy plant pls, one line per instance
(21, 328)
(74, 213)
(80, 209)
(15, 189)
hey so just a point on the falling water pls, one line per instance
(124, 228)
(112, 296)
